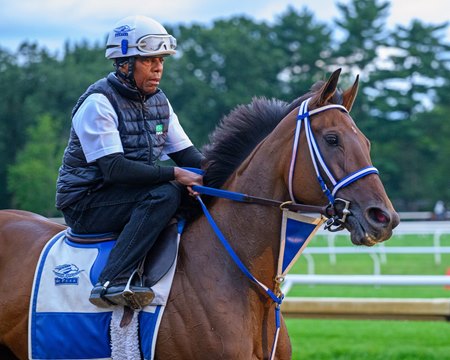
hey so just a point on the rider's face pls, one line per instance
(147, 73)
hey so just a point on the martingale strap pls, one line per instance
(296, 232)
(276, 299)
(234, 256)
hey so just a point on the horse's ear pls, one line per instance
(328, 90)
(349, 95)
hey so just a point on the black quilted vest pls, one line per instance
(143, 125)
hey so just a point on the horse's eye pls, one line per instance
(332, 139)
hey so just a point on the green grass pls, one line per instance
(315, 339)
(365, 291)
(332, 339)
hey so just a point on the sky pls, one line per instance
(51, 23)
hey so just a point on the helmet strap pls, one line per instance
(128, 77)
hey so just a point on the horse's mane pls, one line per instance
(238, 133)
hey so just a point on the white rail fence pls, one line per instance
(378, 254)
(376, 280)
(436, 229)
(373, 308)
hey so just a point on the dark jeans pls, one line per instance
(137, 213)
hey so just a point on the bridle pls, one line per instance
(334, 223)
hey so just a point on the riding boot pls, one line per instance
(97, 295)
(133, 294)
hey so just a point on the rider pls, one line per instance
(109, 180)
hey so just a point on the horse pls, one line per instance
(214, 311)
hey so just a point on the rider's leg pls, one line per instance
(139, 215)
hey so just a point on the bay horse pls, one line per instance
(214, 311)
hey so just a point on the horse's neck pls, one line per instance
(253, 231)
(264, 172)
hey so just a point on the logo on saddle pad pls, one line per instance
(66, 274)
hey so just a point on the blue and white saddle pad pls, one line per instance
(63, 324)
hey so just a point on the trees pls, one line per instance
(411, 86)
(33, 83)
(414, 70)
(217, 68)
(359, 50)
(363, 24)
(10, 116)
(402, 105)
(306, 51)
(32, 178)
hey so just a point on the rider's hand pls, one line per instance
(188, 178)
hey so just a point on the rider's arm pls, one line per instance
(118, 169)
(189, 157)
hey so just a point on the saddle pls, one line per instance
(155, 264)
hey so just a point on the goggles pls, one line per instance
(151, 43)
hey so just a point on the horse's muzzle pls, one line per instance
(371, 226)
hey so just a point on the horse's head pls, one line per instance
(249, 153)
(345, 152)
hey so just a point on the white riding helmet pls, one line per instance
(139, 36)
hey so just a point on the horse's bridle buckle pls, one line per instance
(336, 223)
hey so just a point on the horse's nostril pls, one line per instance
(379, 216)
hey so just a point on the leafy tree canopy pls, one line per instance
(402, 105)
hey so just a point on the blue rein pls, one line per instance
(239, 197)
(226, 244)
